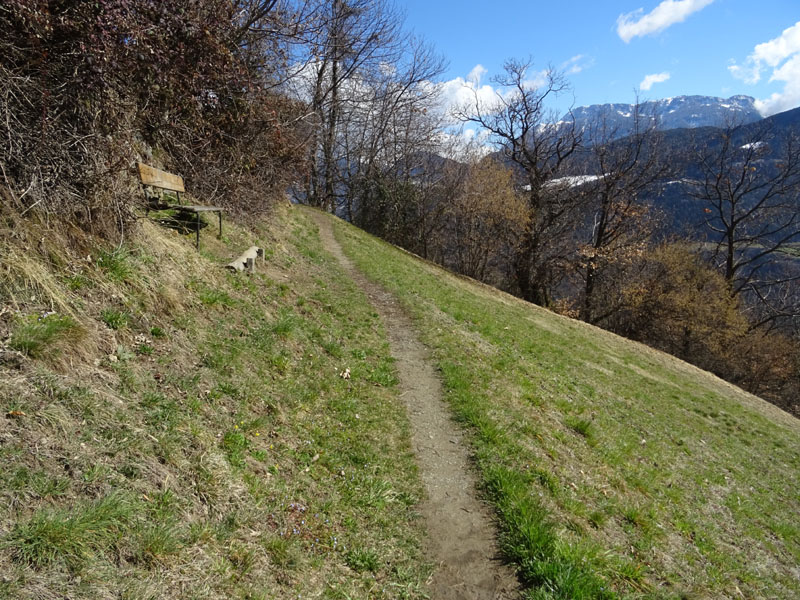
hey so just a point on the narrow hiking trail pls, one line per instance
(461, 537)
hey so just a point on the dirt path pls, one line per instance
(461, 535)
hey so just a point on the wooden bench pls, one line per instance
(155, 179)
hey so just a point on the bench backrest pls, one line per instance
(160, 179)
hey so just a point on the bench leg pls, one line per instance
(197, 232)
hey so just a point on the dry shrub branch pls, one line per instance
(89, 88)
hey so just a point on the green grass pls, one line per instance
(548, 566)
(116, 264)
(145, 349)
(361, 560)
(214, 297)
(115, 319)
(77, 281)
(70, 536)
(41, 335)
(157, 542)
(223, 457)
(582, 427)
(36, 483)
(615, 471)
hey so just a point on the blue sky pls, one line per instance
(610, 47)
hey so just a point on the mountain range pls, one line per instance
(673, 113)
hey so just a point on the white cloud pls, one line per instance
(775, 51)
(536, 80)
(669, 12)
(458, 143)
(782, 55)
(475, 75)
(649, 80)
(576, 64)
(463, 92)
(789, 98)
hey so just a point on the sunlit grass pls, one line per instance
(41, 335)
(614, 469)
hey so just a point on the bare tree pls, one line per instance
(390, 129)
(749, 182)
(532, 139)
(405, 200)
(618, 172)
(354, 40)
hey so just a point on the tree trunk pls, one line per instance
(588, 309)
(521, 266)
(329, 202)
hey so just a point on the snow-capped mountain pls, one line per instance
(672, 113)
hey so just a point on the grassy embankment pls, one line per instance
(175, 431)
(615, 470)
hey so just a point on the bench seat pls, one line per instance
(162, 180)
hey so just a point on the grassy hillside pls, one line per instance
(170, 430)
(615, 470)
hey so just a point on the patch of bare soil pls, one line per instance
(461, 534)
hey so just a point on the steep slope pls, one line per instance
(171, 430)
(615, 470)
